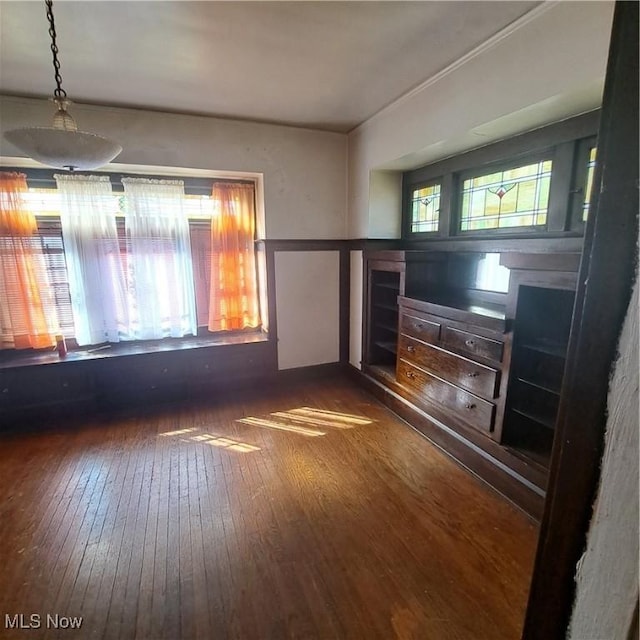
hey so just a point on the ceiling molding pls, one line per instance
(487, 45)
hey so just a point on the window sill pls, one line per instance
(16, 359)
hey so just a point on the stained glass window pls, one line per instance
(587, 189)
(425, 209)
(517, 197)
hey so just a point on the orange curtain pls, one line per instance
(233, 300)
(24, 289)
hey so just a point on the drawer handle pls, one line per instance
(411, 375)
(469, 405)
(473, 374)
(411, 349)
(469, 343)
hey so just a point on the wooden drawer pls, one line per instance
(45, 385)
(471, 343)
(224, 364)
(463, 405)
(418, 327)
(460, 371)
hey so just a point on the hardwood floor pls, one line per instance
(310, 512)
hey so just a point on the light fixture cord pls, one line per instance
(59, 92)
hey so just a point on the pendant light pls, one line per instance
(62, 146)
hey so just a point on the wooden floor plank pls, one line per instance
(306, 511)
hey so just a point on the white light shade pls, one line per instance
(62, 149)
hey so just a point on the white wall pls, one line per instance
(304, 170)
(385, 202)
(355, 309)
(549, 65)
(607, 577)
(307, 307)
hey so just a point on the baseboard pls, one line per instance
(309, 373)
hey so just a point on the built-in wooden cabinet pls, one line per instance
(385, 280)
(38, 386)
(475, 344)
(541, 306)
(455, 370)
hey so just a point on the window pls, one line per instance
(516, 197)
(228, 301)
(533, 185)
(50, 237)
(425, 209)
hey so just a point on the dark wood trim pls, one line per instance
(604, 290)
(541, 262)
(304, 245)
(345, 302)
(558, 214)
(445, 193)
(384, 255)
(448, 207)
(271, 299)
(313, 372)
(16, 359)
(549, 244)
(580, 182)
(527, 244)
(364, 244)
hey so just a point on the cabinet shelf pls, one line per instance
(385, 372)
(462, 303)
(540, 457)
(539, 386)
(541, 335)
(548, 347)
(543, 420)
(391, 347)
(387, 327)
(387, 307)
(387, 285)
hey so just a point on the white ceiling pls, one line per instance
(326, 65)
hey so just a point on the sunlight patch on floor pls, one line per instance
(302, 420)
(179, 432)
(213, 439)
(334, 416)
(224, 442)
(280, 426)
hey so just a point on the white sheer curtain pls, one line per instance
(96, 275)
(159, 259)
